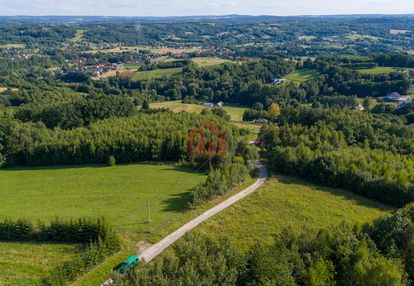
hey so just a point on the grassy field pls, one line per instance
(25, 263)
(12, 46)
(236, 112)
(289, 202)
(177, 106)
(78, 36)
(103, 271)
(208, 61)
(154, 50)
(302, 75)
(120, 194)
(146, 75)
(382, 70)
(377, 70)
(131, 66)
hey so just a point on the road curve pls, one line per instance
(153, 251)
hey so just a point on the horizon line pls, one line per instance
(212, 15)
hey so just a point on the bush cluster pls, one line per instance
(219, 181)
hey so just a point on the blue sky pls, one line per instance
(204, 7)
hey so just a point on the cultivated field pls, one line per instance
(289, 202)
(3, 89)
(146, 75)
(302, 75)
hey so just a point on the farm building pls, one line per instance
(220, 104)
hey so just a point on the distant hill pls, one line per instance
(176, 19)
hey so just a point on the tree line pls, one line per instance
(154, 136)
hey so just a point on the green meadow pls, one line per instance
(236, 112)
(147, 75)
(141, 202)
(25, 263)
(286, 201)
(12, 46)
(302, 75)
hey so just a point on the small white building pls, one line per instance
(279, 80)
(403, 100)
(220, 104)
(359, 107)
(394, 96)
(260, 120)
(209, 104)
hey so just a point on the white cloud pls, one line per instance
(203, 7)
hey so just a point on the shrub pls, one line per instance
(218, 182)
(111, 161)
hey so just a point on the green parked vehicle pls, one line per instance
(129, 264)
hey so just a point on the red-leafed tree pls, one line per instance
(206, 145)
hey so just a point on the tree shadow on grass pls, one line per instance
(51, 167)
(178, 202)
(184, 170)
(338, 192)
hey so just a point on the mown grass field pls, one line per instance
(25, 263)
(12, 46)
(208, 61)
(382, 70)
(236, 112)
(131, 66)
(377, 70)
(289, 202)
(146, 75)
(302, 75)
(120, 194)
(78, 36)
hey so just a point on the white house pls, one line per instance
(220, 104)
